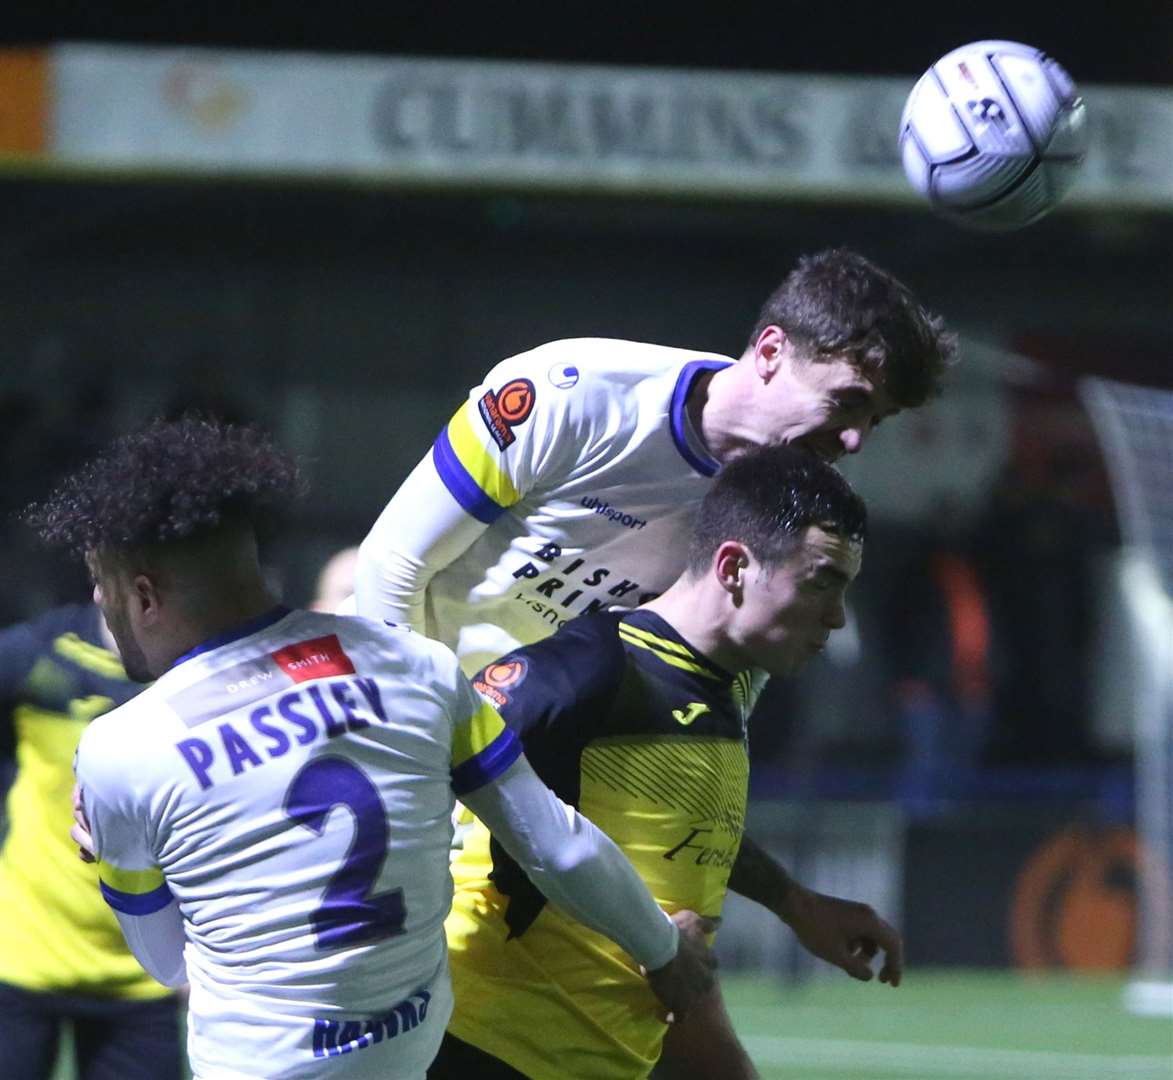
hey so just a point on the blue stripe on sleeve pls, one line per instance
(464, 488)
(490, 763)
(136, 903)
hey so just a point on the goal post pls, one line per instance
(1134, 425)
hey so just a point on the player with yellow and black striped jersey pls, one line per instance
(647, 738)
(639, 720)
(62, 954)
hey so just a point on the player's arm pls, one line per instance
(131, 882)
(845, 933)
(509, 436)
(707, 1047)
(420, 531)
(579, 868)
(574, 864)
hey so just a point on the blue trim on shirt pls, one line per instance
(136, 903)
(490, 763)
(253, 626)
(463, 488)
(691, 371)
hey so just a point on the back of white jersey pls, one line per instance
(292, 789)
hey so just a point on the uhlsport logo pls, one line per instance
(504, 410)
(612, 513)
(563, 376)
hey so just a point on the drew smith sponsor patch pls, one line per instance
(317, 658)
(504, 410)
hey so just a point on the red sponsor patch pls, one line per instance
(495, 696)
(495, 679)
(507, 408)
(505, 673)
(516, 400)
(314, 659)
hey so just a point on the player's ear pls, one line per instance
(145, 597)
(729, 565)
(768, 351)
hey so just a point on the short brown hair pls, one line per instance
(836, 301)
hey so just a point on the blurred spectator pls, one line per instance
(938, 641)
(1035, 551)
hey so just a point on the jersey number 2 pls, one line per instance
(348, 914)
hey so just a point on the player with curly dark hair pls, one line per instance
(170, 481)
(174, 499)
(208, 800)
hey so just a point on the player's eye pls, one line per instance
(850, 402)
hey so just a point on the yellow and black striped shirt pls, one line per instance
(623, 719)
(56, 932)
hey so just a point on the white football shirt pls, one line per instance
(290, 785)
(577, 472)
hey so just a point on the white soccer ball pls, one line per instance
(993, 134)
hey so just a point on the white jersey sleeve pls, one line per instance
(574, 864)
(129, 876)
(512, 434)
(420, 531)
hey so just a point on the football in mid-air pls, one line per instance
(993, 134)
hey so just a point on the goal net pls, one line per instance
(1135, 428)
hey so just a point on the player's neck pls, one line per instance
(697, 614)
(216, 615)
(717, 407)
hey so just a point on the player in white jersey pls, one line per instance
(566, 481)
(271, 816)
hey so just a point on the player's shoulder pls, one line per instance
(382, 647)
(124, 749)
(585, 364)
(584, 658)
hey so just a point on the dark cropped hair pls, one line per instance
(170, 482)
(766, 498)
(838, 302)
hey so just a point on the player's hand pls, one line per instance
(845, 933)
(80, 833)
(690, 975)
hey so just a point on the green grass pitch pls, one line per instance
(940, 1026)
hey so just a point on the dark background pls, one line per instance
(1123, 42)
(351, 320)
